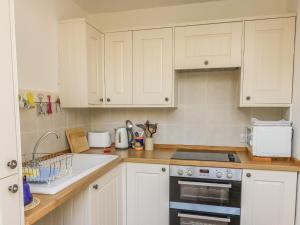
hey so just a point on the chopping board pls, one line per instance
(77, 140)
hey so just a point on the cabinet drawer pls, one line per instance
(208, 46)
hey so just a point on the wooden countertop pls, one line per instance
(161, 155)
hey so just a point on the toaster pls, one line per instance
(99, 139)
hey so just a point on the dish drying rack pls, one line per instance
(45, 167)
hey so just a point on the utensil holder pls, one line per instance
(149, 144)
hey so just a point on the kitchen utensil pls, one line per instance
(99, 139)
(121, 138)
(49, 106)
(77, 140)
(129, 126)
(58, 104)
(39, 106)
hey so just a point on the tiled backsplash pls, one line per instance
(207, 112)
(33, 126)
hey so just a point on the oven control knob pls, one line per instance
(219, 174)
(189, 172)
(180, 172)
(229, 175)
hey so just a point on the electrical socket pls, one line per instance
(242, 138)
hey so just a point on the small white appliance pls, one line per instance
(270, 141)
(121, 138)
(99, 139)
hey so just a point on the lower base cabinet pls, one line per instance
(10, 203)
(100, 204)
(268, 197)
(147, 194)
(108, 198)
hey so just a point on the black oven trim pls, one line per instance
(206, 208)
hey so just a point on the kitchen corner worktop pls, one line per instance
(161, 155)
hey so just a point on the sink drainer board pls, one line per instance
(81, 166)
(46, 168)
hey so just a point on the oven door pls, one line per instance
(184, 217)
(205, 191)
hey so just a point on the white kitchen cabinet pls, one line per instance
(268, 197)
(267, 75)
(153, 66)
(81, 64)
(10, 182)
(118, 68)
(147, 194)
(8, 88)
(10, 204)
(108, 198)
(209, 46)
(95, 66)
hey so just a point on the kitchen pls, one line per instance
(202, 105)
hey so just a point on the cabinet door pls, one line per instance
(8, 133)
(107, 198)
(153, 66)
(208, 46)
(118, 68)
(10, 204)
(95, 66)
(147, 194)
(268, 197)
(268, 62)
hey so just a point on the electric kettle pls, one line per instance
(121, 138)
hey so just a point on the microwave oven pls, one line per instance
(270, 141)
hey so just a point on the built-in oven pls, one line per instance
(200, 196)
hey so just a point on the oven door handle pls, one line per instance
(199, 217)
(205, 184)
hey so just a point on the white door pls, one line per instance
(268, 62)
(268, 197)
(147, 194)
(153, 66)
(95, 66)
(107, 198)
(208, 46)
(10, 208)
(118, 68)
(8, 134)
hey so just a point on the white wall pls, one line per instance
(190, 12)
(37, 40)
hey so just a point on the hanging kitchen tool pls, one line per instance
(39, 104)
(58, 105)
(49, 105)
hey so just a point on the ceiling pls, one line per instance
(102, 6)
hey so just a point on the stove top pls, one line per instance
(216, 156)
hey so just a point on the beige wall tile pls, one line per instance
(207, 113)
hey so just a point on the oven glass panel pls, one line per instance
(204, 192)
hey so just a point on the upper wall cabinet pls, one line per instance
(95, 66)
(153, 66)
(118, 68)
(268, 62)
(81, 78)
(208, 46)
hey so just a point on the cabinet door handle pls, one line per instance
(13, 188)
(248, 175)
(163, 169)
(12, 164)
(96, 186)
(166, 99)
(206, 62)
(248, 98)
(101, 99)
(108, 99)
